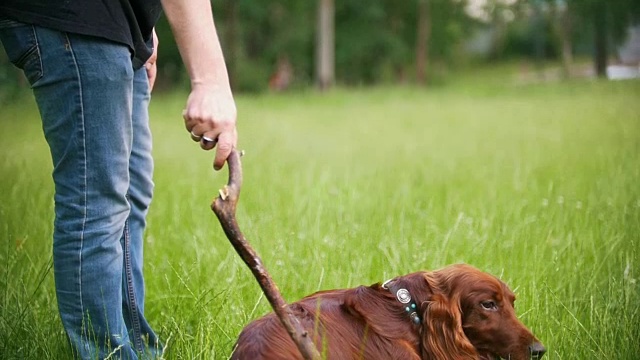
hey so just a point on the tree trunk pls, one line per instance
(561, 20)
(325, 52)
(565, 38)
(231, 41)
(422, 41)
(600, 46)
(538, 39)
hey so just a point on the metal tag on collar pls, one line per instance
(403, 296)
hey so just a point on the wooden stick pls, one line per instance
(224, 206)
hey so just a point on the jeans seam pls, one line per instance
(84, 184)
(133, 308)
(40, 67)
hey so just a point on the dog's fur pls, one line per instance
(465, 314)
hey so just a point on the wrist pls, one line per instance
(216, 84)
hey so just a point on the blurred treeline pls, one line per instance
(274, 43)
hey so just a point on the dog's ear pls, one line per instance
(443, 337)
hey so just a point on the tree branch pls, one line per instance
(224, 206)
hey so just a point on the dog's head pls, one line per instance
(470, 314)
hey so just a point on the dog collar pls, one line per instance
(404, 297)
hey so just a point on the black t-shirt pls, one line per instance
(129, 22)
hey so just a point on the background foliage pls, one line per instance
(376, 39)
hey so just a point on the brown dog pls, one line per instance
(458, 312)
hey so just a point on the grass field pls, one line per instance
(538, 184)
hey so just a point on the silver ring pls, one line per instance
(207, 139)
(195, 137)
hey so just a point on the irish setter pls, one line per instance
(458, 312)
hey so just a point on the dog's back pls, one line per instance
(340, 330)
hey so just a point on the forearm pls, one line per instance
(210, 112)
(195, 33)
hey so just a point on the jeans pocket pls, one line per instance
(21, 44)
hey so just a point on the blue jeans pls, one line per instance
(94, 110)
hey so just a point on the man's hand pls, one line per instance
(210, 116)
(150, 65)
(210, 113)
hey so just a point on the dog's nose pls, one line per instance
(537, 350)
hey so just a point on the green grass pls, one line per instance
(538, 184)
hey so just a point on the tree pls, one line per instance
(609, 21)
(422, 40)
(231, 40)
(326, 41)
(325, 52)
(561, 20)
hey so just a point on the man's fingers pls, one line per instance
(152, 71)
(209, 141)
(190, 120)
(226, 142)
(196, 133)
(195, 137)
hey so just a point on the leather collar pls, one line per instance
(404, 297)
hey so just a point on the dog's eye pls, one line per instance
(489, 305)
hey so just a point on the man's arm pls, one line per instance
(210, 111)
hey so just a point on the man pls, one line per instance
(91, 65)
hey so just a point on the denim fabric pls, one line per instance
(93, 106)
